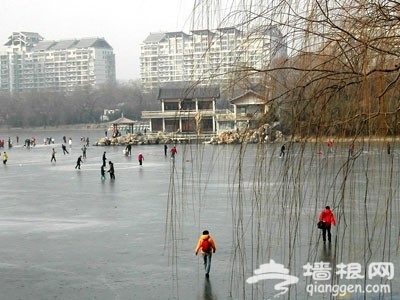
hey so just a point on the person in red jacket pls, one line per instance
(328, 218)
(140, 158)
(207, 247)
(173, 152)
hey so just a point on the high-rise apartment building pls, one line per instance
(207, 56)
(32, 63)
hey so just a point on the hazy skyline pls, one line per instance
(124, 25)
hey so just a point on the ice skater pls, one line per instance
(102, 173)
(128, 149)
(140, 158)
(207, 247)
(329, 219)
(104, 158)
(351, 149)
(330, 146)
(5, 158)
(84, 151)
(64, 149)
(282, 153)
(173, 152)
(78, 162)
(53, 155)
(111, 170)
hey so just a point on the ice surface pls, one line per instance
(67, 234)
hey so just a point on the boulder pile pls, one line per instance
(226, 137)
(245, 136)
(141, 139)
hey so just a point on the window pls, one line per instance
(188, 104)
(205, 105)
(171, 106)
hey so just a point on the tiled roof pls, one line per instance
(155, 37)
(246, 95)
(203, 31)
(188, 92)
(85, 43)
(64, 44)
(68, 44)
(176, 34)
(43, 45)
(123, 121)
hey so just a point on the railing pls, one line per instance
(181, 113)
(188, 137)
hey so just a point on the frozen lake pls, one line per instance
(66, 234)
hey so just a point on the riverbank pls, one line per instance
(226, 137)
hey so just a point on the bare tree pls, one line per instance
(85, 105)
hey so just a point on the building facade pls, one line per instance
(249, 110)
(31, 63)
(209, 57)
(193, 110)
(184, 110)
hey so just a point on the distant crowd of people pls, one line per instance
(31, 142)
(103, 171)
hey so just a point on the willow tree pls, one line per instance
(340, 79)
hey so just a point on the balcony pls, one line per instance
(176, 114)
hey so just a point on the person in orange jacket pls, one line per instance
(207, 247)
(328, 218)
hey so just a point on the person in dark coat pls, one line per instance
(104, 159)
(128, 149)
(282, 153)
(53, 155)
(165, 149)
(64, 149)
(78, 162)
(102, 173)
(111, 170)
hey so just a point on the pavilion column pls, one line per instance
(213, 123)
(235, 114)
(214, 116)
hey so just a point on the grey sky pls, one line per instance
(123, 23)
